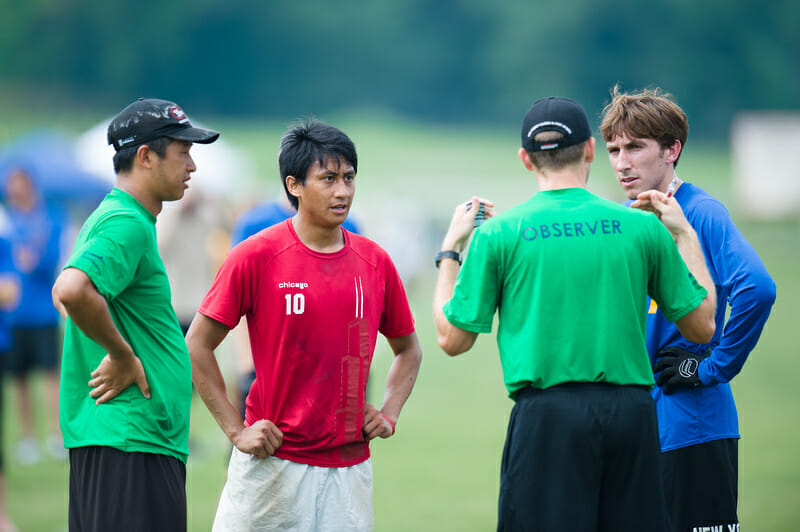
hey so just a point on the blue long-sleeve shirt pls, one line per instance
(7, 272)
(39, 231)
(698, 415)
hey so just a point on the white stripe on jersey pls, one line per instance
(359, 296)
(361, 291)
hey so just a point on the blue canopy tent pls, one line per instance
(49, 158)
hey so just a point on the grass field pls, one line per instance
(440, 472)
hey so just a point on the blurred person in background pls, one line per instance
(645, 133)
(568, 273)
(192, 240)
(126, 384)
(9, 295)
(36, 229)
(315, 296)
(247, 224)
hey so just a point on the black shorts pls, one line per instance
(244, 384)
(582, 457)
(125, 492)
(701, 485)
(34, 347)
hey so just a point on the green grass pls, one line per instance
(36, 496)
(440, 472)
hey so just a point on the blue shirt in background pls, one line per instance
(266, 215)
(6, 271)
(36, 232)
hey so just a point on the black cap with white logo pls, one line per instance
(148, 119)
(555, 114)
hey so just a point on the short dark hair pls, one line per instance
(648, 114)
(558, 158)
(308, 142)
(123, 159)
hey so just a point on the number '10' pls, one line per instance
(295, 304)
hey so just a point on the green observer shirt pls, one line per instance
(117, 249)
(568, 274)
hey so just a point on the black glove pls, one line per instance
(678, 368)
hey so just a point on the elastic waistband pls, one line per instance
(577, 387)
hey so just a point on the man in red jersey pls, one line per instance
(315, 297)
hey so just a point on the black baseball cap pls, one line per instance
(148, 119)
(555, 114)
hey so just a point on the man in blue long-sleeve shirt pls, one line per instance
(645, 133)
(35, 237)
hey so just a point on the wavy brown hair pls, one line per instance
(648, 114)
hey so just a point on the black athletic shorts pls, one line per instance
(111, 490)
(579, 457)
(701, 485)
(245, 383)
(34, 347)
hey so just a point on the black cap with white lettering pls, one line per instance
(555, 114)
(148, 119)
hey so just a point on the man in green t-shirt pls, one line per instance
(128, 444)
(568, 274)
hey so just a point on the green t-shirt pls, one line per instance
(117, 249)
(568, 274)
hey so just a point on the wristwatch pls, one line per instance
(448, 254)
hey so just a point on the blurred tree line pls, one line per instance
(463, 61)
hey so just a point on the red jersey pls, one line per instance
(313, 320)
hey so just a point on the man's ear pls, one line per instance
(525, 158)
(673, 152)
(294, 186)
(589, 153)
(144, 156)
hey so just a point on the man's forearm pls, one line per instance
(452, 339)
(669, 211)
(692, 254)
(445, 284)
(210, 385)
(202, 339)
(750, 306)
(699, 325)
(400, 381)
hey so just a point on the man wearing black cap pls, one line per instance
(128, 444)
(568, 273)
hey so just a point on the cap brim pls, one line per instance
(195, 134)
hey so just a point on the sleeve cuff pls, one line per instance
(704, 373)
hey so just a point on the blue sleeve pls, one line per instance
(258, 218)
(51, 256)
(240, 231)
(742, 281)
(351, 225)
(6, 261)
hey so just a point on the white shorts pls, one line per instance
(275, 494)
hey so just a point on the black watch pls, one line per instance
(449, 254)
